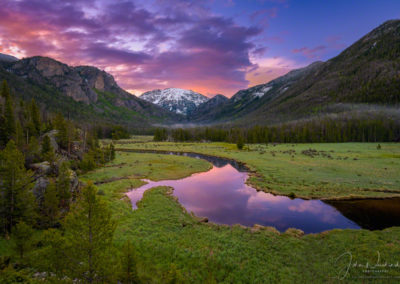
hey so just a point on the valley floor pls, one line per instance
(173, 245)
(323, 171)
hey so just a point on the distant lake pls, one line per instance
(222, 196)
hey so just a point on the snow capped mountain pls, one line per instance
(177, 100)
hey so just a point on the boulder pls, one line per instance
(257, 228)
(40, 188)
(42, 168)
(294, 232)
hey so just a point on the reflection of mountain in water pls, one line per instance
(372, 214)
(216, 161)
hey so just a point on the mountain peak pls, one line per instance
(178, 100)
(7, 58)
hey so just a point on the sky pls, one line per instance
(208, 46)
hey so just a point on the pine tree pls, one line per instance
(49, 209)
(64, 185)
(22, 235)
(62, 136)
(240, 142)
(3, 134)
(9, 117)
(112, 151)
(35, 117)
(47, 149)
(53, 256)
(33, 153)
(89, 231)
(16, 198)
(128, 272)
(19, 136)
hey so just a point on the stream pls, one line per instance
(222, 195)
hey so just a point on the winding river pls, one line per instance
(222, 195)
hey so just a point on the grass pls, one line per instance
(172, 244)
(149, 166)
(332, 171)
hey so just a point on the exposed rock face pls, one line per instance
(41, 184)
(98, 79)
(85, 84)
(44, 70)
(40, 188)
(42, 168)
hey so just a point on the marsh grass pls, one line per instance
(173, 245)
(325, 170)
(170, 241)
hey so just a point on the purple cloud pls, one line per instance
(173, 43)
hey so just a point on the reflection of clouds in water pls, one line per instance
(222, 195)
(325, 213)
(261, 200)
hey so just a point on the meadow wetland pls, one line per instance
(166, 235)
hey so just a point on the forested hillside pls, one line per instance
(84, 93)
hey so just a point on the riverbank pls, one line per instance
(330, 171)
(172, 244)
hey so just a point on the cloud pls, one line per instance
(269, 68)
(174, 43)
(311, 53)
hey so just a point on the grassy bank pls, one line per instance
(327, 171)
(173, 245)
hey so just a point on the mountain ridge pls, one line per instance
(94, 92)
(177, 100)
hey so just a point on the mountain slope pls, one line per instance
(7, 58)
(363, 77)
(82, 92)
(248, 100)
(204, 109)
(176, 100)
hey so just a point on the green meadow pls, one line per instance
(323, 171)
(174, 246)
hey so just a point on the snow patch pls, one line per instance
(180, 100)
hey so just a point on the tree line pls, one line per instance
(317, 130)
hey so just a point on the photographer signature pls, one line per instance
(367, 267)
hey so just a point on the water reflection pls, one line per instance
(372, 214)
(222, 196)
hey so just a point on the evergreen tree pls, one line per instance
(49, 209)
(47, 149)
(19, 136)
(128, 272)
(22, 235)
(35, 118)
(64, 185)
(16, 198)
(33, 153)
(52, 256)
(9, 117)
(89, 232)
(63, 135)
(112, 151)
(240, 142)
(3, 134)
